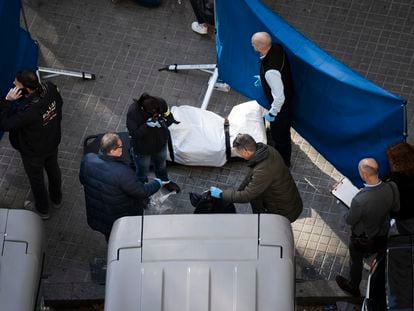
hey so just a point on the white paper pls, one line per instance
(345, 191)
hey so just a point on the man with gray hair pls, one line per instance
(369, 219)
(268, 186)
(111, 188)
(276, 81)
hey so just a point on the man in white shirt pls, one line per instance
(276, 81)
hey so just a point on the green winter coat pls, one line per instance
(268, 186)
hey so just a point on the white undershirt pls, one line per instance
(274, 80)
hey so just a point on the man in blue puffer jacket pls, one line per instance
(111, 187)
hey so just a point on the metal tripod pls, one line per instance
(53, 72)
(212, 82)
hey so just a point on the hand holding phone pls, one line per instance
(14, 94)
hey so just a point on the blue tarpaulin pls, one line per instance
(340, 113)
(18, 50)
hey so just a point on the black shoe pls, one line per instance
(172, 186)
(344, 284)
(30, 206)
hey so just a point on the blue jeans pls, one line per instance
(143, 162)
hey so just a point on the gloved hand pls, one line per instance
(215, 192)
(269, 117)
(162, 182)
(152, 123)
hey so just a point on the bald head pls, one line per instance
(368, 169)
(261, 42)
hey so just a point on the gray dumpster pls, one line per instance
(21, 245)
(201, 262)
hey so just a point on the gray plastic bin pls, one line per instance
(22, 249)
(201, 263)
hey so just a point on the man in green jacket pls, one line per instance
(268, 186)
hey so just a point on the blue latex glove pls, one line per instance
(152, 123)
(216, 192)
(269, 117)
(161, 182)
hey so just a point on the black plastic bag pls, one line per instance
(205, 204)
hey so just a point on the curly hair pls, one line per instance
(401, 158)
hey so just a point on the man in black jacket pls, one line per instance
(369, 219)
(148, 120)
(111, 188)
(32, 113)
(276, 81)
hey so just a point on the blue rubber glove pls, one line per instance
(216, 192)
(152, 123)
(161, 182)
(269, 117)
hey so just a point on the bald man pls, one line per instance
(369, 219)
(276, 81)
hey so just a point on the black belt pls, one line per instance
(170, 147)
(227, 137)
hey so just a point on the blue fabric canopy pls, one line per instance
(18, 50)
(340, 113)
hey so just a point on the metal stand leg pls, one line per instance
(212, 82)
(53, 72)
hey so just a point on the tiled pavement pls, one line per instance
(125, 44)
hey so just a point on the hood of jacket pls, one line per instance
(262, 153)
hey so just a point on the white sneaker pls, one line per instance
(201, 29)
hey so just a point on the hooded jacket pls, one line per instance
(145, 139)
(34, 125)
(111, 190)
(268, 186)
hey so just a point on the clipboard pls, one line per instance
(345, 191)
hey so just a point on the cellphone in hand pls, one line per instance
(23, 91)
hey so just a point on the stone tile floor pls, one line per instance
(125, 44)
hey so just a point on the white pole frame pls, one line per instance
(212, 82)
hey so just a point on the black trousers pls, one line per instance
(359, 252)
(34, 167)
(204, 11)
(280, 129)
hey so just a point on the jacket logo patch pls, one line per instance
(50, 113)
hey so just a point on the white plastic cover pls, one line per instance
(199, 138)
(216, 262)
(247, 118)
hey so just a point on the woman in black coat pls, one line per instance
(148, 120)
(401, 159)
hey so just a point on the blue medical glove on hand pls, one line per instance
(162, 182)
(216, 192)
(269, 117)
(152, 123)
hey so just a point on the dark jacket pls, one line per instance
(111, 190)
(370, 208)
(276, 59)
(405, 184)
(146, 139)
(269, 187)
(34, 125)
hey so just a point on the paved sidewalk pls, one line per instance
(125, 44)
